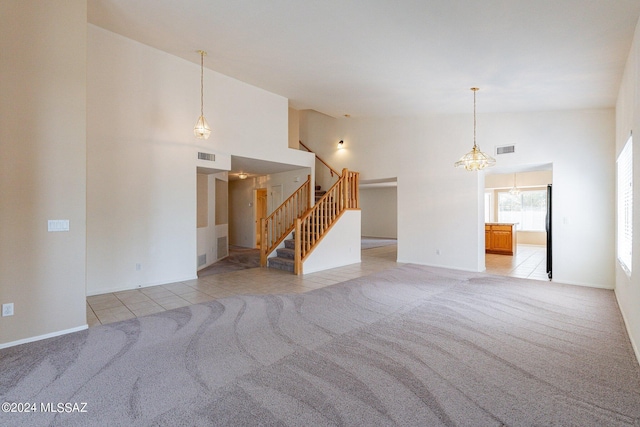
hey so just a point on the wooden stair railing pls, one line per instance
(277, 226)
(311, 227)
(332, 170)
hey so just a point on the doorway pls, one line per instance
(260, 212)
(275, 198)
(519, 198)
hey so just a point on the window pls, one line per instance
(487, 208)
(625, 206)
(528, 209)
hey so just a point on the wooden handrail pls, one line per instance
(277, 226)
(332, 170)
(311, 227)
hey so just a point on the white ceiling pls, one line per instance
(402, 57)
(255, 167)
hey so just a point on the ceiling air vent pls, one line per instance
(206, 156)
(506, 149)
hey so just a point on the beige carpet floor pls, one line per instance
(410, 346)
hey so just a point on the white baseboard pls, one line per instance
(43, 337)
(634, 345)
(134, 287)
(583, 284)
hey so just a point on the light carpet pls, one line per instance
(413, 346)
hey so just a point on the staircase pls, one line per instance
(306, 225)
(319, 193)
(285, 257)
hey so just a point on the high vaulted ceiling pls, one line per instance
(402, 57)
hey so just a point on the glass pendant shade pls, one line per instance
(202, 129)
(475, 159)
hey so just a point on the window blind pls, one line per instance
(625, 206)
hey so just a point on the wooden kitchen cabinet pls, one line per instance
(500, 238)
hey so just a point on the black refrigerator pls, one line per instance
(548, 228)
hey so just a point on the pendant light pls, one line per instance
(202, 129)
(475, 159)
(514, 190)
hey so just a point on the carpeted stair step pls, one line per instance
(279, 263)
(290, 244)
(319, 193)
(288, 253)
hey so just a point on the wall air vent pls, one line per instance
(506, 149)
(206, 156)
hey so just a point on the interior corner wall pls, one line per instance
(241, 215)
(628, 120)
(42, 167)
(441, 208)
(379, 208)
(294, 128)
(320, 133)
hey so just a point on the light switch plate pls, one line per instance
(7, 309)
(58, 225)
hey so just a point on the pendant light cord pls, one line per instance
(474, 89)
(202, 83)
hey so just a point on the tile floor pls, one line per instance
(529, 262)
(117, 306)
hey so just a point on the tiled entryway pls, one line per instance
(529, 262)
(117, 306)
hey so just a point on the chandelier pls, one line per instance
(475, 159)
(202, 129)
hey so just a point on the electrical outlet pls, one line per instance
(7, 309)
(138, 267)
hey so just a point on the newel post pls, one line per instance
(297, 258)
(263, 243)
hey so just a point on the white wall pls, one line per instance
(442, 208)
(241, 213)
(320, 134)
(42, 167)
(339, 247)
(142, 105)
(379, 210)
(628, 119)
